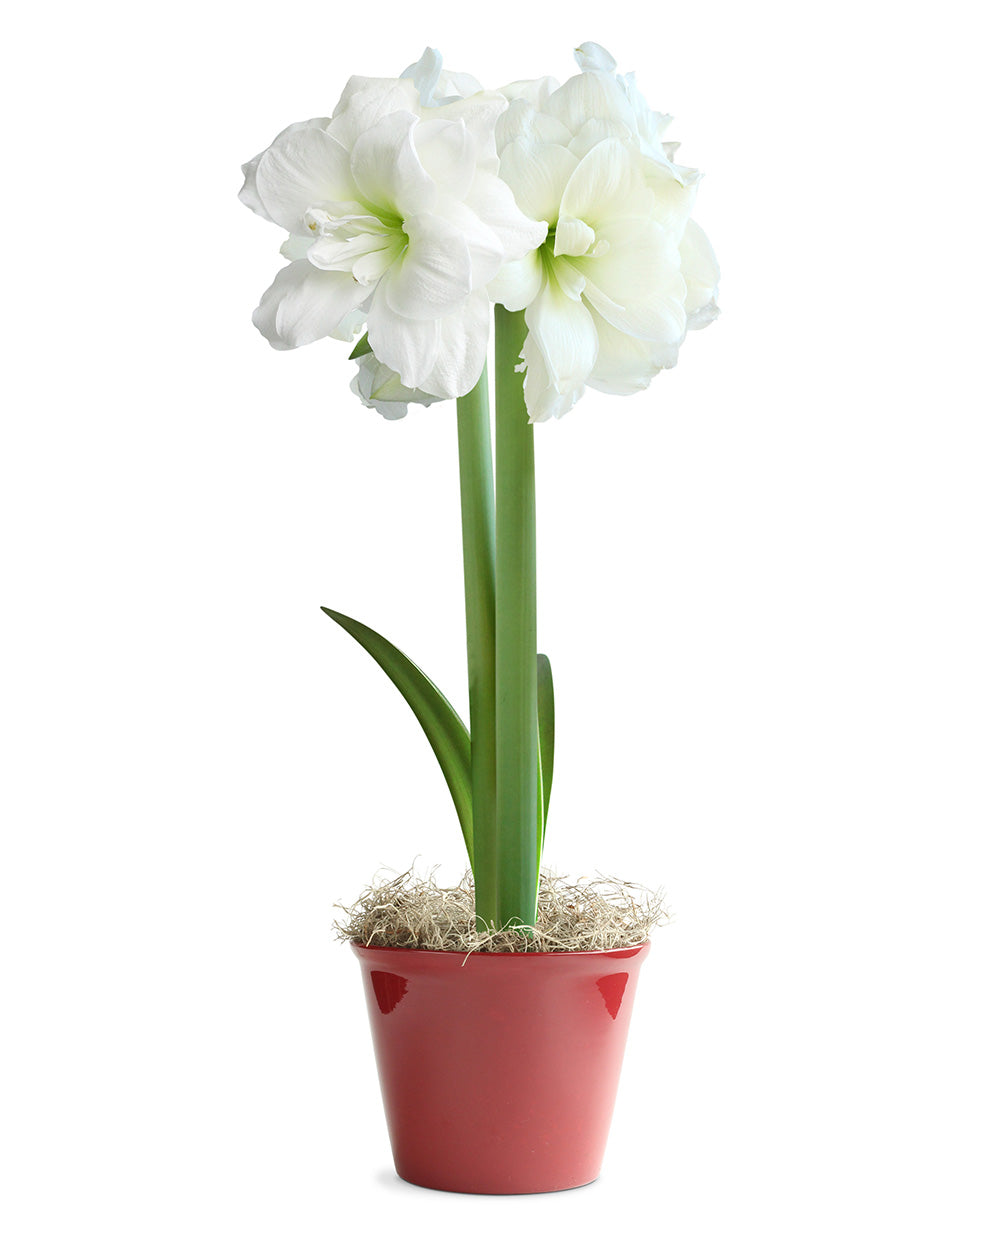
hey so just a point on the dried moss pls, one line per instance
(415, 912)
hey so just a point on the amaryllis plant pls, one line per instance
(420, 202)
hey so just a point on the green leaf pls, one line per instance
(443, 726)
(546, 728)
(361, 349)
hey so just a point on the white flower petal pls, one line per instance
(607, 182)
(522, 121)
(381, 389)
(479, 114)
(701, 276)
(597, 130)
(352, 323)
(304, 304)
(367, 256)
(565, 335)
(304, 168)
(568, 277)
(371, 267)
(493, 202)
(408, 346)
(589, 95)
(573, 237)
(249, 195)
(295, 246)
(591, 56)
(424, 74)
(674, 190)
(486, 254)
(624, 364)
(542, 399)
(387, 170)
(637, 285)
(439, 86)
(456, 86)
(335, 254)
(462, 346)
(447, 151)
(534, 91)
(366, 101)
(518, 283)
(704, 316)
(537, 173)
(434, 273)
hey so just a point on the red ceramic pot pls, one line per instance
(499, 1071)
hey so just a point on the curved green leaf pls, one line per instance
(546, 727)
(443, 726)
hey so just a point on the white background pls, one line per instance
(768, 587)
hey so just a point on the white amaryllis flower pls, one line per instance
(396, 217)
(624, 271)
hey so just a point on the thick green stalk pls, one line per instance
(475, 468)
(516, 660)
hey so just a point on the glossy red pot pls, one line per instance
(499, 1071)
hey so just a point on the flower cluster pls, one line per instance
(423, 199)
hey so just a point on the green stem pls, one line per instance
(516, 660)
(475, 468)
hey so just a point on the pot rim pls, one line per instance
(360, 947)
